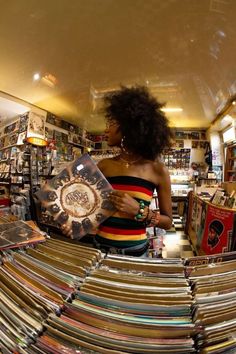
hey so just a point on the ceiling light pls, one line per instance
(227, 118)
(36, 77)
(234, 103)
(50, 80)
(172, 110)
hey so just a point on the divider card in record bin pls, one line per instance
(78, 197)
(217, 236)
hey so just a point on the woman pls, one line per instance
(135, 123)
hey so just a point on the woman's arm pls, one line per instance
(164, 220)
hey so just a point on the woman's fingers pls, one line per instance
(124, 202)
(66, 230)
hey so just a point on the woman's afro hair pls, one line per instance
(143, 124)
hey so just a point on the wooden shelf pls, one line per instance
(230, 166)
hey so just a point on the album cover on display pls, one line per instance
(18, 233)
(78, 197)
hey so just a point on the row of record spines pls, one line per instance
(213, 258)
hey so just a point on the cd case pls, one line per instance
(78, 197)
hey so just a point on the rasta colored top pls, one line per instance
(119, 230)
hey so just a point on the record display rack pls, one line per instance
(204, 215)
(230, 163)
(25, 167)
(212, 280)
(60, 297)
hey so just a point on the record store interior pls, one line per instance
(62, 290)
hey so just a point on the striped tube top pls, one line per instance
(118, 230)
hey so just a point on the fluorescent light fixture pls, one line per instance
(49, 80)
(172, 110)
(227, 118)
(229, 135)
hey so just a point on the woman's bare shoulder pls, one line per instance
(160, 168)
(160, 173)
(105, 163)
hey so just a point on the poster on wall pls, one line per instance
(21, 138)
(217, 236)
(36, 125)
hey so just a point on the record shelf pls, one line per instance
(24, 166)
(61, 297)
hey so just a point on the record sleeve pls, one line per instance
(78, 197)
(19, 233)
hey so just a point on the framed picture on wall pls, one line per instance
(36, 125)
(195, 135)
(195, 144)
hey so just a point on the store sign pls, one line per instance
(37, 141)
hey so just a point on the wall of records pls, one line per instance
(24, 167)
(189, 146)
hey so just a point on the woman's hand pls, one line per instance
(66, 230)
(125, 203)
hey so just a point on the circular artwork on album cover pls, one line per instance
(78, 197)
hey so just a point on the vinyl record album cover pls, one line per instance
(78, 197)
(19, 233)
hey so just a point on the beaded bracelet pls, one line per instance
(139, 216)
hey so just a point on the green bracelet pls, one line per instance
(139, 216)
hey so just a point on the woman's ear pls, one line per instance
(118, 132)
(118, 129)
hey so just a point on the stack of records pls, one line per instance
(172, 267)
(38, 282)
(214, 291)
(25, 303)
(65, 256)
(142, 307)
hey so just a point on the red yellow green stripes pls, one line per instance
(134, 191)
(119, 230)
(122, 234)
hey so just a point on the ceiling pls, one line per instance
(183, 50)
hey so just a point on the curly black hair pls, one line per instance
(142, 123)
